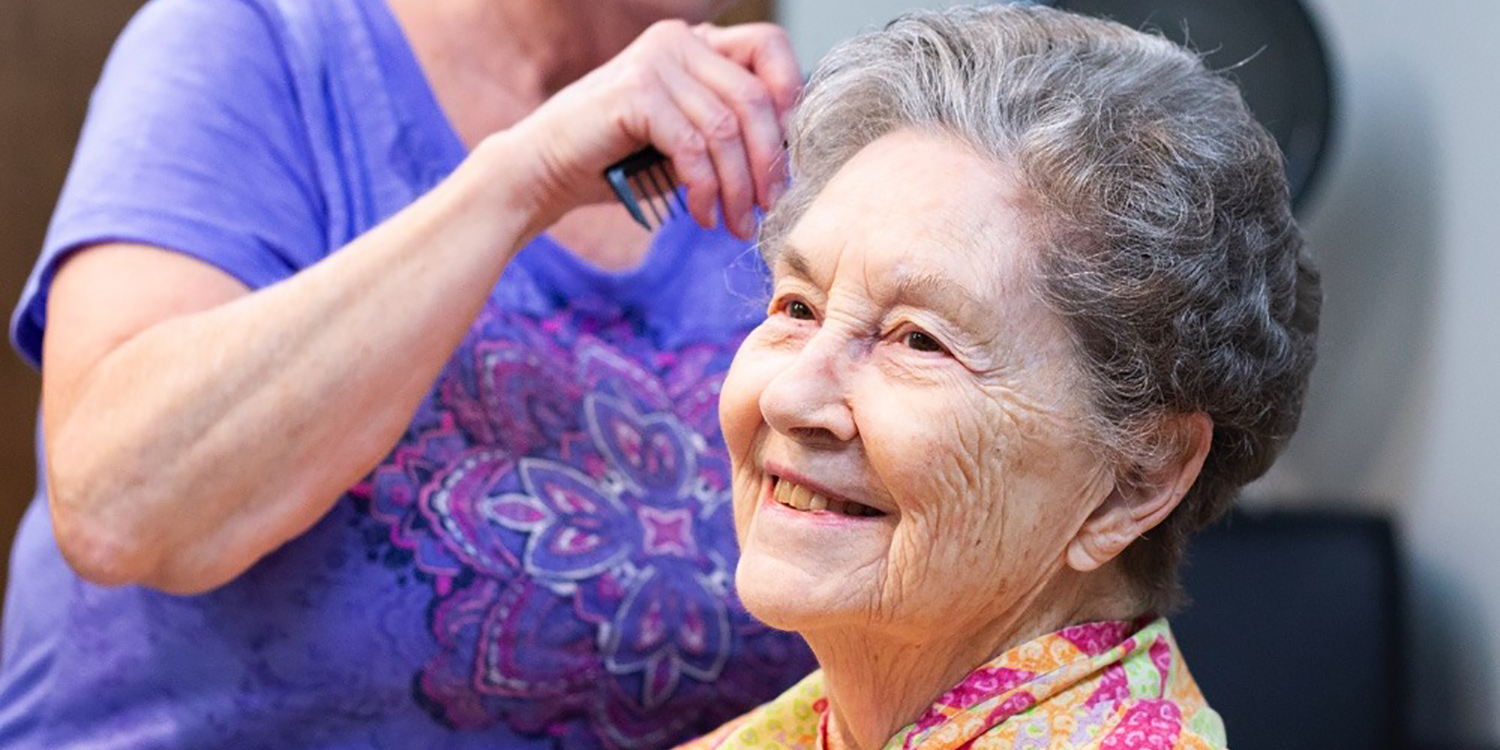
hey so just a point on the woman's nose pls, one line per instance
(808, 401)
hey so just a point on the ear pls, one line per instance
(1132, 510)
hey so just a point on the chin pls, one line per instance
(777, 593)
(803, 571)
(794, 596)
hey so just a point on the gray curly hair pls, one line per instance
(1167, 242)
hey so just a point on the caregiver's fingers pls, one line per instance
(732, 108)
(665, 124)
(724, 128)
(766, 51)
(760, 118)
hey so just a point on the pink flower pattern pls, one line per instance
(1149, 725)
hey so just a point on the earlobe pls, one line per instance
(1131, 510)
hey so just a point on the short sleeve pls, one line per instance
(193, 142)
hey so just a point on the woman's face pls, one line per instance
(903, 426)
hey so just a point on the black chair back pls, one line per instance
(1293, 629)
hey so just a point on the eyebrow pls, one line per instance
(928, 290)
(793, 257)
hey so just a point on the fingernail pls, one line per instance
(747, 225)
(778, 189)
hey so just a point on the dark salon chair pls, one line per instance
(1292, 629)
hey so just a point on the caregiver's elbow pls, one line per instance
(98, 525)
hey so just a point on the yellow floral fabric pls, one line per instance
(1105, 686)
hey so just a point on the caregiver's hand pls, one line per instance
(712, 99)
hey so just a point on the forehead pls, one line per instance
(917, 206)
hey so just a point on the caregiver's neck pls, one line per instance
(492, 63)
(879, 682)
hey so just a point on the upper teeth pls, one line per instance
(799, 497)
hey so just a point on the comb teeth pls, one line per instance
(645, 178)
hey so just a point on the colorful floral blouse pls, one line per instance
(1103, 685)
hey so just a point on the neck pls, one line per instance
(879, 682)
(491, 63)
(876, 687)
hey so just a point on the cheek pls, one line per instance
(935, 451)
(741, 421)
(739, 404)
(760, 358)
(938, 450)
(977, 482)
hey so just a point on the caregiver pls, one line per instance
(369, 420)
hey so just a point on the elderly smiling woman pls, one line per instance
(1039, 309)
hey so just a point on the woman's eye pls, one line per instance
(798, 310)
(922, 342)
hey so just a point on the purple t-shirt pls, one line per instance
(546, 558)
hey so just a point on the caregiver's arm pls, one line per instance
(192, 425)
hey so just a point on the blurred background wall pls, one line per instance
(1404, 415)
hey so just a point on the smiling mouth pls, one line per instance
(797, 497)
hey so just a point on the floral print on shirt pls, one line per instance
(566, 493)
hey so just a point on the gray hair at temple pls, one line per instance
(1163, 229)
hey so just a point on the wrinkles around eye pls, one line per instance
(780, 331)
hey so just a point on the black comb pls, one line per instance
(645, 178)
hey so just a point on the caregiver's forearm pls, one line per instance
(208, 439)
